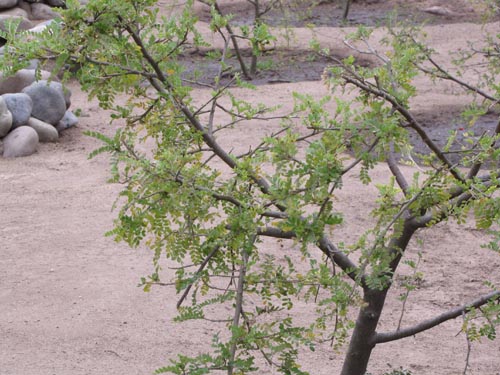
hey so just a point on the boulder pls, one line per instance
(48, 101)
(46, 132)
(40, 11)
(21, 141)
(69, 119)
(6, 4)
(5, 118)
(19, 81)
(20, 105)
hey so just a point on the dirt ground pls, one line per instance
(69, 301)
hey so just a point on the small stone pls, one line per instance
(438, 11)
(19, 81)
(69, 119)
(46, 132)
(21, 141)
(20, 105)
(49, 104)
(40, 11)
(5, 118)
(6, 4)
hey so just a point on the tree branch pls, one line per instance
(202, 266)
(430, 323)
(324, 244)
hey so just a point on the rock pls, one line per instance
(24, 5)
(48, 101)
(46, 132)
(438, 11)
(19, 81)
(21, 141)
(56, 3)
(15, 12)
(24, 24)
(40, 11)
(6, 4)
(41, 26)
(63, 90)
(20, 105)
(67, 121)
(5, 118)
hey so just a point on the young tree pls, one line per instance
(257, 36)
(195, 202)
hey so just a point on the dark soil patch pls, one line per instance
(443, 122)
(298, 13)
(274, 66)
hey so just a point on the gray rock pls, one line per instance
(40, 11)
(20, 105)
(67, 121)
(56, 3)
(24, 5)
(46, 132)
(5, 118)
(41, 26)
(19, 81)
(63, 90)
(438, 11)
(24, 24)
(15, 12)
(6, 4)
(48, 101)
(22, 141)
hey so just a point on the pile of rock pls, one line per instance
(32, 112)
(29, 12)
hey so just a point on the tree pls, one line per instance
(195, 202)
(257, 35)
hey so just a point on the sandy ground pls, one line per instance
(69, 301)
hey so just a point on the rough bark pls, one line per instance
(363, 338)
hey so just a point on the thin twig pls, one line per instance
(198, 271)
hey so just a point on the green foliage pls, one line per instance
(194, 201)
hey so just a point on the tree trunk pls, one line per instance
(345, 13)
(362, 343)
(363, 337)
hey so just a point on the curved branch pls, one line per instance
(324, 244)
(430, 323)
(412, 122)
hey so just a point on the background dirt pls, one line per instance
(68, 297)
